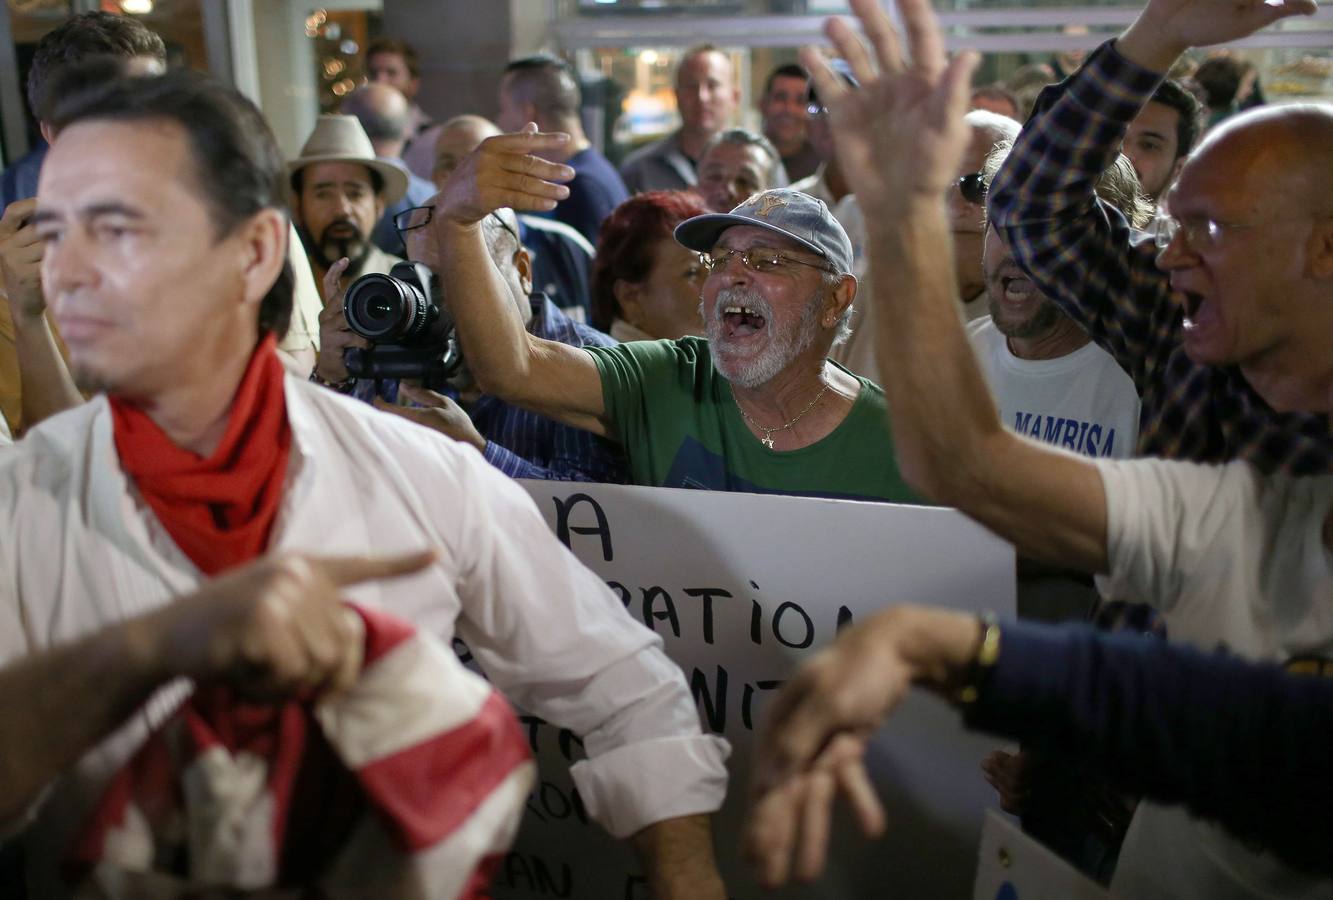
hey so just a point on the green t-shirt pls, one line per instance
(680, 427)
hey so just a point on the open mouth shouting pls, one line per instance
(742, 321)
(1017, 288)
(1192, 301)
(739, 316)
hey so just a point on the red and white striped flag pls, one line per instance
(409, 784)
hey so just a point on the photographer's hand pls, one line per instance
(334, 334)
(504, 170)
(437, 412)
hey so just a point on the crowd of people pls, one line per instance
(243, 526)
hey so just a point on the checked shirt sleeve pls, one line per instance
(1078, 250)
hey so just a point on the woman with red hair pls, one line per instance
(645, 286)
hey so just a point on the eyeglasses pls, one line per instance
(973, 188)
(1199, 233)
(757, 259)
(416, 217)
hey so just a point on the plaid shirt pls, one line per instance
(1082, 253)
(523, 444)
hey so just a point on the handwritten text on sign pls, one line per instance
(742, 588)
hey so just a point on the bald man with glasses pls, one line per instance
(1225, 320)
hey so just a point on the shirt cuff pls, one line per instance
(1111, 87)
(507, 461)
(631, 787)
(1029, 674)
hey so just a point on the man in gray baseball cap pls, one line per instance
(755, 407)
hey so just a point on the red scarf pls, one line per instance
(218, 510)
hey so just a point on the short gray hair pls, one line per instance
(830, 280)
(777, 172)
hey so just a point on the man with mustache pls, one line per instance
(340, 189)
(1050, 382)
(755, 407)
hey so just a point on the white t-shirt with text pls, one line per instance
(1082, 401)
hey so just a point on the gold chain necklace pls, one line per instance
(767, 439)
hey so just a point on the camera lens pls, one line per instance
(385, 309)
(380, 311)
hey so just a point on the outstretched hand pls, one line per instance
(1167, 28)
(812, 746)
(811, 749)
(505, 170)
(901, 134)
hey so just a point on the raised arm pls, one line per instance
(548, 377)
(1078, 250)
(900, 140)
(47, 385)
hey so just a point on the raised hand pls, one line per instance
(901, 135)
(21, 261)
(275, 626)
(505, 170)
(1167, 28)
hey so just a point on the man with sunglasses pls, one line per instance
(967, 207)
(1050, 382)
(755, 407)
(1224, 321)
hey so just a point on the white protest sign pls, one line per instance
(743, 588)
(1012, 866)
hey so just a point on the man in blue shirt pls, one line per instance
(81, 37)
(542, 89)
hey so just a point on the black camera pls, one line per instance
(411, 336)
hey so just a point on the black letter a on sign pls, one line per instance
(562, 528)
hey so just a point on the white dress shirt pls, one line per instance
(82, 550)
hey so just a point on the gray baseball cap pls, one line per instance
(793, 214)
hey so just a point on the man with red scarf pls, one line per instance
(161, 214)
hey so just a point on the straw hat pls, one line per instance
(342, 139)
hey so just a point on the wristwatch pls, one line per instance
(984, 658)
(342, 387)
